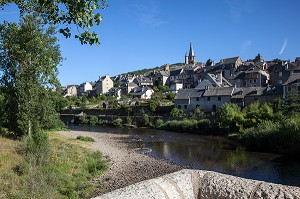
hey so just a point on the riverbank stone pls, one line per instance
(205, 185)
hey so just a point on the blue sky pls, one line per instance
(139, 34)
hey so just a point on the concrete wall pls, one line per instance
(204, 185)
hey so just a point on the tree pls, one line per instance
(198, 114)
(28, 74)
(83, 14)
(175, 112)
(231, 117)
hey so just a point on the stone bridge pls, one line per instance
(203, 185)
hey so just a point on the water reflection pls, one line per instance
(211, 153)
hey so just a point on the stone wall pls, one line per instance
(205, 185)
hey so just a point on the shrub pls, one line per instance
(159, 123)
(83, 119)
(145, 120)
(129, 120)
(118, 122)
(85, 139)
(175, 112)
(93, 120)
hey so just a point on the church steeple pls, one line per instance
(191, 53)
(191, 58)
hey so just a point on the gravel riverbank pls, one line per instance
(126, 165)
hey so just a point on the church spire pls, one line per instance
(191, 53)
(191, 58)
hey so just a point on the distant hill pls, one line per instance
(147, 70)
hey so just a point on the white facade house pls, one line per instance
(84, 87)
(104, 84)
(142, 92)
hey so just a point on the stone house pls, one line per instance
(143, 81)
(292, 85)
(115, 92)
(244, 96)
(142, 92)
(228, 66)
(215, 97)
(175, 86)
(83, 88)
(104, 84)
(161, 78)
(129, 87)
(211, 80)
(70, 90)
(255, 77)
(176, 75)
(280, 72)
(207, 100)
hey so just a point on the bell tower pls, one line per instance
(191, 58)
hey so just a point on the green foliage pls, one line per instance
(93, 120)
(170, 96)
(279, 136)
(83, 119)
(198, 114)
(36, 148)
(153, 104)
(65, 173)
(129, 120)
(188, 126)
(85, 138)
(231, 118)
(118, 122)
(177, 113)
(145, 120)
(62, 13)
(28, 72)
(159, 123)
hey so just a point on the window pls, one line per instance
(208, 98)
(289, 89)
(254, 81)
(197, 99)
(280, 74)
(280, 81)
(179, 106)
(219, 98)
(298, 88)
(185, 106)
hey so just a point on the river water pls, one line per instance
(213, 153)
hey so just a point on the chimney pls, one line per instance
(220, 77)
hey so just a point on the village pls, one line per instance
(205, 85)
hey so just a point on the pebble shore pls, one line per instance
(126, 166)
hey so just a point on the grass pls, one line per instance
(66, 174)
(85, 139)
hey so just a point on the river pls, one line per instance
(213, 153)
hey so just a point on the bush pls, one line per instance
(93, 120)
(129, 120)
(85, 139)
(159, 123)
(83, 119)
(145, 120)
(118, 122)
(36, 148)
(279, 137)
(175, 112)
